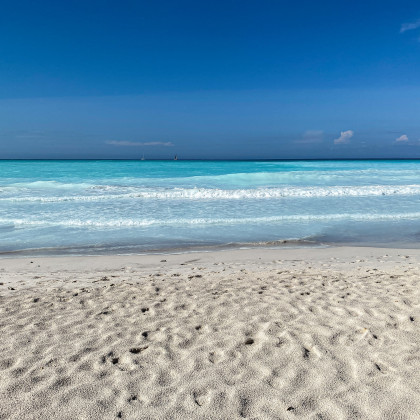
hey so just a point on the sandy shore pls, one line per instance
(262, 334)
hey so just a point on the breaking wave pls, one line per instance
(234, 194)
(122, 223)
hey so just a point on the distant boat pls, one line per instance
(142, 158)
(176, 157)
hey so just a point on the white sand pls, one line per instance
(260, 334)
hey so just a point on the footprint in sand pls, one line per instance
(111, 358)
(137, 350)
(201, 398)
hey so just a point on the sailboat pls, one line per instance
(142, 158)
(176, 157)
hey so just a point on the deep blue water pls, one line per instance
(96, 207)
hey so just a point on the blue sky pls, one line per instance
(220, 79)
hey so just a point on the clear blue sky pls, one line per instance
(219, 79)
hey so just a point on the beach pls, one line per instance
(209, 211)
(307, 333)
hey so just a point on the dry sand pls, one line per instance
(260, 334)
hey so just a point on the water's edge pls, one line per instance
(127, 251)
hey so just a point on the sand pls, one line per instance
(261, 334)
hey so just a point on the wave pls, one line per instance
(129, 223)
(49, 185)
(285, 176)
(234, 194)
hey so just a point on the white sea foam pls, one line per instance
(122, 223)
(235, 194)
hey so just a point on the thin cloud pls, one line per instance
(345, 137)
(139, 144)
(29, 136)
(409, 26)
(311, 136)
(406, 142)
(404, 137)
(25, 134)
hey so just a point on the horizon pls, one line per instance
(207, 160)
(219, 81)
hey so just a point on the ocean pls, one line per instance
(101, 207)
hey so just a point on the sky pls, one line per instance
(222, 79)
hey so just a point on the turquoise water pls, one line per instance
(93, 207)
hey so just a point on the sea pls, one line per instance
(94, 207)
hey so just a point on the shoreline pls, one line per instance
(287, 244)
(254, 333)
(133, 251)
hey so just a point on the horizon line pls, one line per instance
(206, 160)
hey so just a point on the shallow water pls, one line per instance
(92, 207)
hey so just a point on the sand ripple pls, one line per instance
(272, 340)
